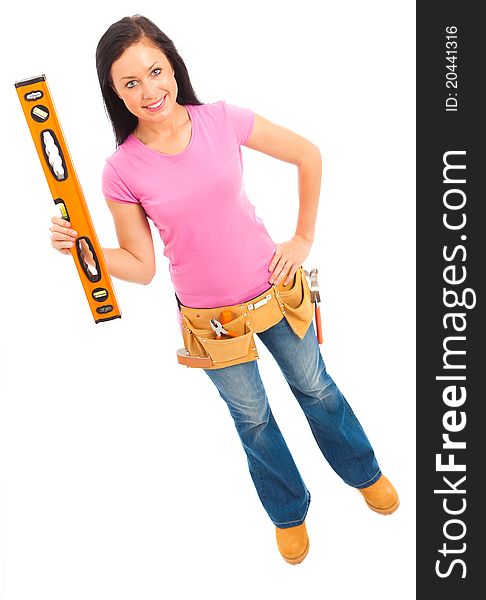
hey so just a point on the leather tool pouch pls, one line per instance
(203, 349)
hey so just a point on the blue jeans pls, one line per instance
(336, 429)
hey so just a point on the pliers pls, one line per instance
(218, 329)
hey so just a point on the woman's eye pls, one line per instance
(129, 84)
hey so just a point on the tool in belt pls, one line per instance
(223, 336)
(316, 300)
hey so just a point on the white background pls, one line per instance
(122, 475)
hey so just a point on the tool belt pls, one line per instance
(204, 348)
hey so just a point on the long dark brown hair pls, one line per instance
(116, 39)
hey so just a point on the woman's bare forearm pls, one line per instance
(310, 171)
(122, 264)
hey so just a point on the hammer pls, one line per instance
(316, 299)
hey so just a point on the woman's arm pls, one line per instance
(134, 260)
(290, 147)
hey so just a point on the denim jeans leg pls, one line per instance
(272, 468)
(335, 427)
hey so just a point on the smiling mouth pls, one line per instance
(156, 105)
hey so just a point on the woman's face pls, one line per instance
(144, 79)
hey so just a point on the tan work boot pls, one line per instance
(381, 496)
(293, 543)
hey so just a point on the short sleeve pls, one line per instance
(114, 187)
(242, 120)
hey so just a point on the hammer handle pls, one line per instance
(318, 324)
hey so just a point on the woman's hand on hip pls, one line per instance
(288, 257)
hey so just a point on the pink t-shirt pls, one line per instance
(218, 249)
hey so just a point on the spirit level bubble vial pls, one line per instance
(41, 117)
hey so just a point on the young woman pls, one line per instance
(178, 162)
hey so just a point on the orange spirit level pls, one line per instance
(67, 194)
